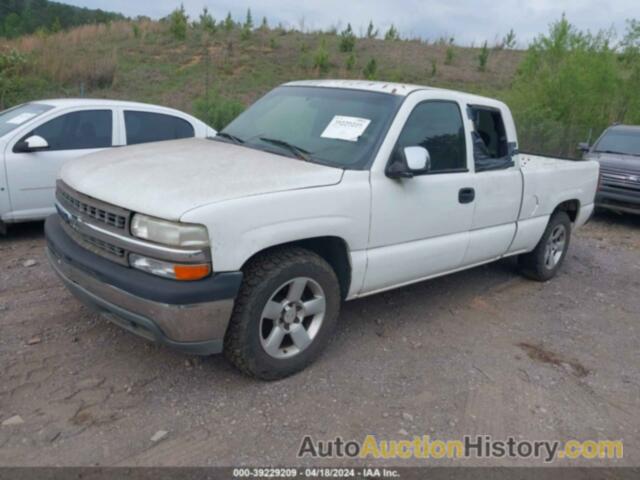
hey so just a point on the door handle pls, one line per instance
(466, 195)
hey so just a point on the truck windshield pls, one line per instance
(619, 141)
(16, 116)
(337, 127)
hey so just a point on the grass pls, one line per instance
(143, 61)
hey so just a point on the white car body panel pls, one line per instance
(397, 231)
(199, 165)
(27, 181)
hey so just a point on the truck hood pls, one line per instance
(167, 179)
(625, 163)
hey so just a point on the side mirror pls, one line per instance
(418, 159)
(32, 144)
(408, 162)
(584, 147)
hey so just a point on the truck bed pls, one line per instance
(549, 181)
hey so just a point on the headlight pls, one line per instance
(169, 233)
(169, 270)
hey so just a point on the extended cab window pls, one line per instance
(490, 144)
(437, 126)
(143, 127)
(84, 129)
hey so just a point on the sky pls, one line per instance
(468, 21)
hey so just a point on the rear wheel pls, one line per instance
(284, 315)
(545, 260)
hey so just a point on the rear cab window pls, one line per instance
(145, 127)
(489, 136)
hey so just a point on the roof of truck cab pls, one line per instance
(401, 89)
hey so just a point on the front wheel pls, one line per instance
(284, 315)
(545, 260)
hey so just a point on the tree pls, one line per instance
(56, 26)
(483, 57)
(371, 31)
(229, 23)
(217, 111)
(207, 22)
(371, 69)
(265, 24)
(178, 22)
(321, 58)
(248, 23)
(392, 34)
(509, 40)
(347, 39)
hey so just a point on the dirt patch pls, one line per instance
(540, 354)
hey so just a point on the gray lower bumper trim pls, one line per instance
(197, 329)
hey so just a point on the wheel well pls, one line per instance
(572, 207)
(332, 249)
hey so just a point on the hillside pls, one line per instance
(19, 17)
(565, 87)
(143, 61)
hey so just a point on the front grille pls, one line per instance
(97, 246)
(81, 208)
(620, 178)
(99, 214)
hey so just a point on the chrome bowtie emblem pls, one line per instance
(634, 178)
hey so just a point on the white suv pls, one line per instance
(37, 138)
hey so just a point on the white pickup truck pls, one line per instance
(322, 191)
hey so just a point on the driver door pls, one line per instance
(420, 225)
(32, 175)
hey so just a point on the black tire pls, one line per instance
(533, 265)
(263, 277)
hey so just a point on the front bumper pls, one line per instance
(188, 316)
(624, 200)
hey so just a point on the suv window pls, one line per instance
(143, 127)
(437, 126)
(77, 130)
(490, 144)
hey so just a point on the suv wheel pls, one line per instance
(545, 260)
(284, 315)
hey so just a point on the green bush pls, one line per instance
(351, 61)
(572, 83)
(12, 64)
(347, 39)
(392, 34)
(483, 57)
(372, 32)
(370, 69)
(449, 55)
(178, 22)
(509, 40)
(321, 59)
(217, 111)
(207, 23)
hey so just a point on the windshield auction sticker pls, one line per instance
(346, 128)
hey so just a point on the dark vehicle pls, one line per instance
(618, 152)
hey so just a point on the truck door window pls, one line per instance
(144, 127)
(490, 143)
(84, 129)
(437, 126)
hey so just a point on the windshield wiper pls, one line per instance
(228, 136)
(297, 151)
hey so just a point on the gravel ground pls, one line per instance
(479, 352)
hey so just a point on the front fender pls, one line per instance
(240, 228)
